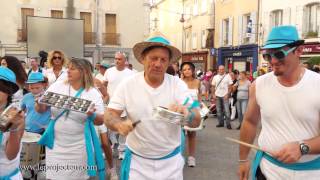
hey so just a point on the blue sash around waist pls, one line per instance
(125, 165)
(305, 166)
(8, 177)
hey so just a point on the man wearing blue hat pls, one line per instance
(287, 102)
(12, 132)
(154, 145)
(35, 122)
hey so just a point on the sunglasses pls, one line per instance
(56, 57)
(280, 55)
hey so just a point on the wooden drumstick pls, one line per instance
(246, 144)
(134, 124)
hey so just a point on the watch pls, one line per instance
(304, 148)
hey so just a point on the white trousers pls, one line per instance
(166, 169)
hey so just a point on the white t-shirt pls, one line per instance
(288, 114)
(8, 166)
(222, 89)
(114, 78)
(69, 144)
(151, 138)
(52, 77)
(100, 77)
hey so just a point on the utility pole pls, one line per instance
(98, 33)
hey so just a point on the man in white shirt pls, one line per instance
(221, 89)
(287, 102)
(113, 77)
(154, 145)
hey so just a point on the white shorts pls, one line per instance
(147, 169)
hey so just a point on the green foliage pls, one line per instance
(314, 60)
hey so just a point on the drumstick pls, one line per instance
(246, 144)
(134, 124)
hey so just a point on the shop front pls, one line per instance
(199, 59)
(241, 58)
(310, 50)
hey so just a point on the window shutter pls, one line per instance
(230, 36)
(240, 29)
(253, 36)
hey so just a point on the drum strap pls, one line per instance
(305, 166)
(95, 157)
(8, 177)
(1, 135)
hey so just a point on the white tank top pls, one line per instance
(288, 114)
(193, 93)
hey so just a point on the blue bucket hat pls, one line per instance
(281, 36)
(9, 78)
(35, 77)
(156, 39)
(104, 64)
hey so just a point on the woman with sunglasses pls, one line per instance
(188, 76)
(70, 146)
(10, 140)
(56, 71)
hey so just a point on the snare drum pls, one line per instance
(30, 153)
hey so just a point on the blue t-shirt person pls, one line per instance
(35, 122)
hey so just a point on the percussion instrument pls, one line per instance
(166, 115)
(65, 102)
(30, 153)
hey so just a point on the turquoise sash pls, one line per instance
(1, 135)
(8, 177)
(305, 166)
(125, 165)
(93, 146)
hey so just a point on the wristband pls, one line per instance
(242, 160)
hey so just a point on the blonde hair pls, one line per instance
(86, 70)
(63, 58)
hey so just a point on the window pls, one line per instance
(88, 34)
(195, 7)
(247, 28)
(226, 31)
(204, 6)
(203, 39)
(110, 35)
(276, 18)
(188, 39)
(22, 33)
(188, 12)
(56, 14)
(312, 14)
(194, 40)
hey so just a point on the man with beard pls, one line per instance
(287, 102)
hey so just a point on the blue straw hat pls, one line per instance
(281, 36)
(9, 78)
(104, 64)
(35, 77)
(156, 39)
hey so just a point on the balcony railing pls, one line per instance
(89, 37)
(110, 39)
(22, 35)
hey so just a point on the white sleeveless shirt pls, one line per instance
(288, 114)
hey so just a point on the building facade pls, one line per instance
(109, 25)
(189, 26)
(305, 15)
(236, 34)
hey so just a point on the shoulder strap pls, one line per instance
(220, 81)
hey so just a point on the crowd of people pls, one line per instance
(123, 117)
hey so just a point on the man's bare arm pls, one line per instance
(250, 121)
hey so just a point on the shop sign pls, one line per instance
(237, 53)
(314, 48)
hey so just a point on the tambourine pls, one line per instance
(166, 115)
(66, 102)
